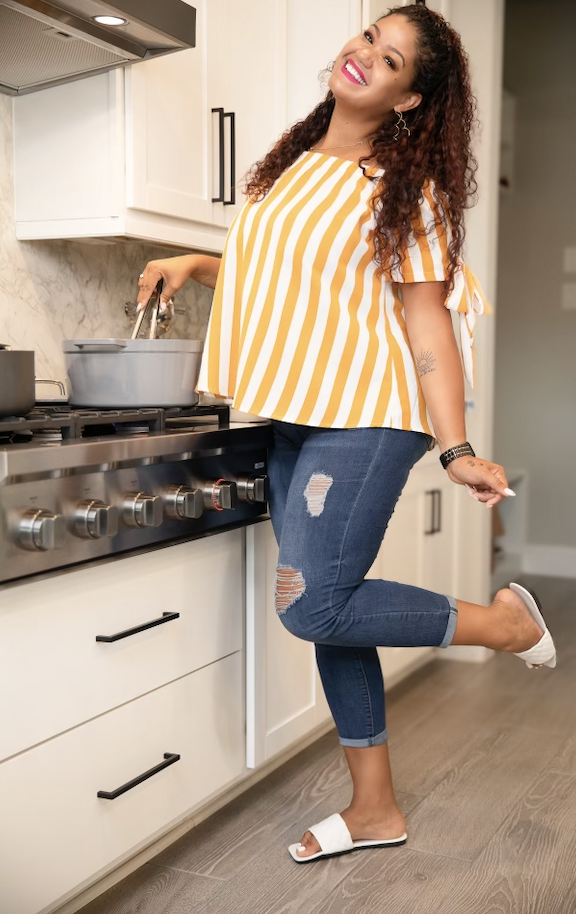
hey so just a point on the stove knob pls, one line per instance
(220, 495)
(183, 503)
(41, 530)
(253, 488)
(143, 510)
(95, 519)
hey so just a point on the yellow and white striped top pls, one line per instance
(302, 328)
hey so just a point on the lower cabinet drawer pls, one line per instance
(56, 833)
(58, 675)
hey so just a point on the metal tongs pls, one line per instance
(155, 301)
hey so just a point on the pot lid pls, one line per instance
(119, 345)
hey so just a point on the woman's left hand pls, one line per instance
(485, 481)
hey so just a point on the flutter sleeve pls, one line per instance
(426, 259)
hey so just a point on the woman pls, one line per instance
(332, 318)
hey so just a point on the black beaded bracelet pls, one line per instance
(459, 450)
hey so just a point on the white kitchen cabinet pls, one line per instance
(419, 548)
(69, 677)
(284, 696)
(136, 153)
(172, 103)
(285, 699)
(56, 833)
(316, 32)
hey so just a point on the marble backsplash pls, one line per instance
(56, 290)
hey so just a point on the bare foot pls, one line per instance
(517, 630)
(363, 827)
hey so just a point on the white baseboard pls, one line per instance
(469, 653)
(551, 561)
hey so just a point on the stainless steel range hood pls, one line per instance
(43, 43)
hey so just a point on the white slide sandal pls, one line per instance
(334, 838)
(543, 653)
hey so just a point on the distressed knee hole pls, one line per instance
(316, 491)
(290, 586)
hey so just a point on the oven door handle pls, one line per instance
(165, 617)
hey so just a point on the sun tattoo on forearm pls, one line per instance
(425, 363)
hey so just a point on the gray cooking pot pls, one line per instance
(17, 396)
(117, 374)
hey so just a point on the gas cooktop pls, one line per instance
(82, 485)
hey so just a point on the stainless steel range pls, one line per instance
(82, 485)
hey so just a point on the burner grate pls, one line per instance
(41, 418)
(178, 414)
(51, 422)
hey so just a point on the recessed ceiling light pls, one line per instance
(110, 20)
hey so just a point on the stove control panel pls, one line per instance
(183, 503)
(94, 518)
(141, 509)
(102, 508)
(41, 530)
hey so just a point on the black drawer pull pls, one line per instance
(166, 617)
(170, 758)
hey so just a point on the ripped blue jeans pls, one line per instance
(333, 492)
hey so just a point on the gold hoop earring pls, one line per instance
(400, 125)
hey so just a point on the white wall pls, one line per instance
(536, 363)
(56, 290)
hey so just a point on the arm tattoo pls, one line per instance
(425, 363)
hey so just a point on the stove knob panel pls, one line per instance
(94, 519)
(253, 488)
(183, 503)
(143, 510)
(41, 530)
(220, 495)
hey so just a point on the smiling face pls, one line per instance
(374, 71)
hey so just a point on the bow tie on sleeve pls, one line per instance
(467, 298)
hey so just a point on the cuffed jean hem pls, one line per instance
(363, 743)
(451, 627)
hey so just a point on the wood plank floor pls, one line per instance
(485, 769)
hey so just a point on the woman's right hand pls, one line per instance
(175, 271)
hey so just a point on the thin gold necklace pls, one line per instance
(342, 145)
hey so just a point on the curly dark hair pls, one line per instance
(438, 148)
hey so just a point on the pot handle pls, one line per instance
(101, 345)
(52, 381)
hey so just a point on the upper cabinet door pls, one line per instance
(197, 120)
(316, 32)
(168, 131)
(246, 89)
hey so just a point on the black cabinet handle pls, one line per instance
(430, 529)
(169, 759)
(436, 505)
(232, 200)
(165, 617)
(438, 495)
(220, 113)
